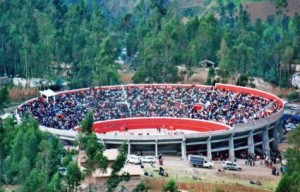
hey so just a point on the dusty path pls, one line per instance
(183, 172)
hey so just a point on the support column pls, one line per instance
(276, 138)
(231, 148)
(156, 149)
(279, 127)
(102, 142)
(183, 149)
(265, 142)
(129, 147)
(208, 146)
(250, 143)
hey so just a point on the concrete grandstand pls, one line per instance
(222, 121)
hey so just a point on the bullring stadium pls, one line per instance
(215, 121)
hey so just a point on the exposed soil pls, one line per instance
(126, 76)
(262, 9)
(265, 86)
(199, 76)
(9, 188)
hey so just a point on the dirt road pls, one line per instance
(183, 171)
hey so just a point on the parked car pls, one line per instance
(148, 159)
(283, 161)
(227, 165)
(6, 115)
(133, 159)
(9, 115)
(290, 126)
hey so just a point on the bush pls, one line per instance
(211, 75)
(140, 76)
(284, 82)
(224, 73)
(293, 97)
(219, 190)
(141, 188)
(57, 85)
(170, 186)
(242, 80)
(4, 97)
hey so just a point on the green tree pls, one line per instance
(67, 159)
(11, 163)
(170, 186)
(4, 97)
(25, 167)
(141, 75)
(27, 150)
(211, 75)
(115, 178)
(2, 132)
(280, 4)
(105, 72)
(141, 188)
(56, 184)
(31, 140)
(296, 35)
(290, 179)
(7, 134)
(87, 123)
(35, 182)
(43, 157)
(74, 176)
(242, 80)
(94, 154)
(209, 37)
(293, 97)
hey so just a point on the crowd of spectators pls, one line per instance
(219, 105)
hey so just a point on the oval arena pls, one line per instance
(222, 121)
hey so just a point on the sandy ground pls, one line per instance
(126, 74)
(199, 76)
(152, 131)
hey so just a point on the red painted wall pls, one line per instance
(250, 91)
(167, 123)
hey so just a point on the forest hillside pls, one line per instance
(66, 40)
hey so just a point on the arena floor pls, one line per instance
(151, 131)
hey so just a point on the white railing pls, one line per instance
(260, 122)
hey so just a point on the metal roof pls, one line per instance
(48, 93)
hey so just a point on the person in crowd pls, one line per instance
(67, 110)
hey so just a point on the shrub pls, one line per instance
(170, 186)
(141, 188)
(293, 97)
(242, 80)
(219, 190)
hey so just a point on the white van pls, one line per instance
(133, 159)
